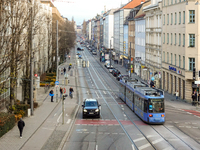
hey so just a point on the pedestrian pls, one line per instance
(193, 98)
(64, 70)
(61, 92)
(177, 94)
(51, 94)
(21, 125)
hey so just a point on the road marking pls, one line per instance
(122, 108)
(133, 147)
(66, 114)
(96, 147)
(55, 114)
(181, 126)
(68, 121)
(189, 113)
(97, 94)
(188, 127)
(139, 139)
(195, 127)
(114, 133)
(104, 92)
(157, 141)
(144, 146)
(59, 117)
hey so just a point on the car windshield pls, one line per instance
(156, 106)
(90, 103)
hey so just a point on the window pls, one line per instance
(179, 61)
(175, 18)
(183, 62)
(171, 2)
(175, 1)
(164, 56)
(179, 17)
(171, 39)
(192, 16)
(175, 59)
(179, 1)
(164, 20)
(171, 18)
(192, 40)
(167, 57)
(167, 38)
(183, 17)
(191, 64)
(175, 39)
(179, 39)
(171, 59)
(164, 3)
(183, 40)
(163, 38)
(167, 19)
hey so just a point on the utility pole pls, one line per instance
(130, 62)
(110, 53)
(31, 64)
(57, 59)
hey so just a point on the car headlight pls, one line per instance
(85, 110)
(96, 110)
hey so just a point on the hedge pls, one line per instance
(7, 122)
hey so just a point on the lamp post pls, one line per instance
(56, 59)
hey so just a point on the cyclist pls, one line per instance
(70, 92)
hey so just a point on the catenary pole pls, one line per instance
(31, 64)
(56, 59)
(130, 61)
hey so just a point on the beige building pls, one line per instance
(153, 50)
(180, 47)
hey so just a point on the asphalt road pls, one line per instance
(118, 127)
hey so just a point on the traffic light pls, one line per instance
(64, 96)
(194, 70)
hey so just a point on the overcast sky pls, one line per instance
(85, 9)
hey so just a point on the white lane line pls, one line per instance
(96, 147)
(139, 139)
(68, 121)
(104, 92)
(168, 148)
(144, 146)
(181, 126)
(195, 127)
(55, 114)
(59, 117)
(189, 113)
(97, 94)
(188, 126)
(66, 114)
(157, 141)
(133, 147)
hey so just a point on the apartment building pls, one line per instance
(153, 49)
(140, 36)
(88, 30)
(180, 47)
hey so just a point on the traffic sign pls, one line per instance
(64, 90)
(197, 82)
(57, 85)
(57, 82)
(36, 75)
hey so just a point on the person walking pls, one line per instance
(21, 125)
(51, 94)
(61, 92)
(70, 92)
(64, 70)
(177, 94)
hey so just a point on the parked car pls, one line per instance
(78, 48)
(120, 76)
(91, 107)
(108, 66)
(111, 69)
(94, 52)
(115, 72)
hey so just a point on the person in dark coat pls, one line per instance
(61, 92)
(21, 125)
(51, 94)
(64, 70)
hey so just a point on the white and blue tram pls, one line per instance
(146, 102)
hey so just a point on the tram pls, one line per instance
(146, 102)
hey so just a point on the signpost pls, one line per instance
(56, 83)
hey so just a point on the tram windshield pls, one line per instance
(156, 105)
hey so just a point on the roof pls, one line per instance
(141, 14)
(90, 100)
(132, 4)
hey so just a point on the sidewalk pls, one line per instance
(169, 99)
(32, 137)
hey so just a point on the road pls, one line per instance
(118, 127)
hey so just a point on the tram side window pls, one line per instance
(133, 97)
(145, 106)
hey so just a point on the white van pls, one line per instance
(106, 62)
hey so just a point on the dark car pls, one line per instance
(120, 76)
(115, 72)
(91, 108)
(78, 48)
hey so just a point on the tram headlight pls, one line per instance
(85, 110)
(96, 110)
(162, 115)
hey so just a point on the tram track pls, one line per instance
(161, 136)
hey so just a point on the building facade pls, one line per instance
(153, 49)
